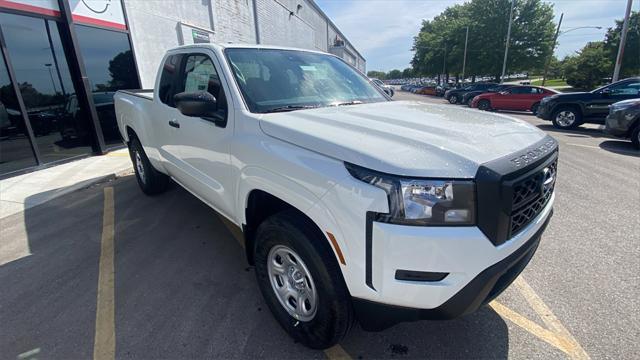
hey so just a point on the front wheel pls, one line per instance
(566, 118)
(453, 99)
(484, 105)
(300, 280)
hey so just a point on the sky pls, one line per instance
(383, 30)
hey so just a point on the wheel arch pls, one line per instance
(262, 196)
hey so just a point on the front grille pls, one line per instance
(530, 196)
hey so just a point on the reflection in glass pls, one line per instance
(38, 58)
(110, 67)
(15, 147)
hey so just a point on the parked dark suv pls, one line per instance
(624, 120)
(570, 110)
(454, 96)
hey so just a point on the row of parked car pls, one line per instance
(616, 105)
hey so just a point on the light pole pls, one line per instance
(506, 47)
(51, 76)
(555, 40)
(623, 40)
(464, 58)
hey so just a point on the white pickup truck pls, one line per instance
(352, 206)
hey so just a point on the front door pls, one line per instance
(203, 144)
(599, 108)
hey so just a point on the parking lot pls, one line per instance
(178, 286)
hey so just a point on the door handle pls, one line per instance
(174, 123)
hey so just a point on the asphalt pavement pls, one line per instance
(183, 290)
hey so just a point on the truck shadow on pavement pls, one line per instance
(183, 289)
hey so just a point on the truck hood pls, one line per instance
(405, 137)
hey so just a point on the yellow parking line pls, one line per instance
(535, 329)
(104, 346)
(574, 349)
(336, 352)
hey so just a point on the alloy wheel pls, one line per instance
(566, 118)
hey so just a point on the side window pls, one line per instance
(626, 88)
(200, 74)
(168, 79)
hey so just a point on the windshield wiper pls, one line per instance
(289, 108)
(353, 102)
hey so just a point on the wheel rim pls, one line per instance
(453, 99)
(292, 283)
(140, 167)
(565, 118)
(483, 105)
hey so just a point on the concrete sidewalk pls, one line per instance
(19, 193)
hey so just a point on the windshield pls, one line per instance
(283, 80)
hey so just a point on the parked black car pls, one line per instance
(443, 88)
(624, 120)
(570, 110)
(468, 96)
(455, 95)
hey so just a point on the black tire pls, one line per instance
(534, 108)
(566, 117)
(453, 99)
(334, 314)
(151, 181)
(484, 104)
(635, 136)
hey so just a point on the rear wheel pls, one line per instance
(484, 105)
(566, 118)
(300, 280)
(151, 181)
(635, 137)
(534, 108)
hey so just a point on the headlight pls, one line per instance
(422, 201)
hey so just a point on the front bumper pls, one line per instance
(481, 289)
(544, 110)
(617, 125)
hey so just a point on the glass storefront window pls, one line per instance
(60, 126)
(15, 147)
(110, 67)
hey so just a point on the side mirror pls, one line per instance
(196, 104)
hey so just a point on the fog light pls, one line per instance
(456, 215)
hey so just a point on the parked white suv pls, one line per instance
(351, 205)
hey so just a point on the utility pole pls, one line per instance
(553, 47)
(444, 60)
(464, 59)
(506, 48)
(623, 40)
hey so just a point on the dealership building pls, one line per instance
(63, 60)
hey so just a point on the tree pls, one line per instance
(631, 59)
(377, 74)
(407, 73)
(440, 42)
(394, 74)
(589, 68)
(122, 71)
